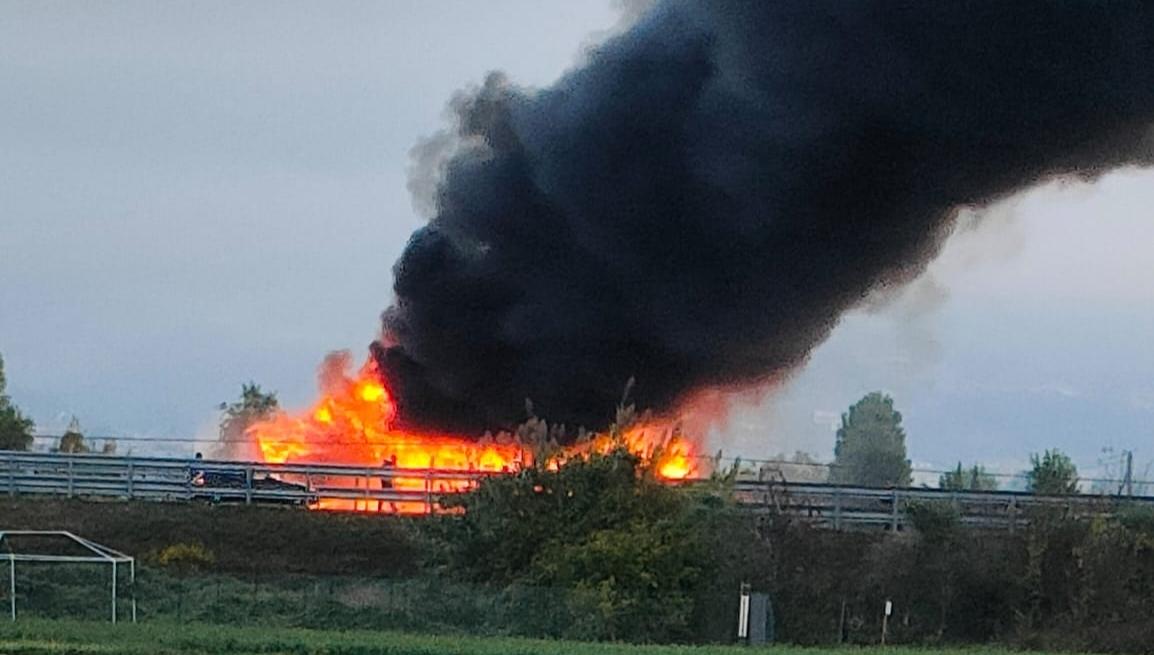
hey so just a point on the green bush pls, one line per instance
(936, 521)
(631, 552)
(184, 557)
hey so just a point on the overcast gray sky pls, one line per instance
(197, 194)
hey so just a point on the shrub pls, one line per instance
(935, 521)
(632, 552)
(184, 557)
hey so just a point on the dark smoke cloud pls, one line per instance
(697, 204)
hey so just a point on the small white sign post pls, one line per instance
(743, 613)
(886, 620)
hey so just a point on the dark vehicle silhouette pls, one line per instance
(219, 486)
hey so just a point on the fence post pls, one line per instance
(12, 583)
(132, 583)
(841, 623)
(114, 591)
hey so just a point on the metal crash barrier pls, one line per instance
(417, 491)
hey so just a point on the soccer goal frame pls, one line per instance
(99, 555)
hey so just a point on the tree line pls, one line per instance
(870, 451)
(17, 430)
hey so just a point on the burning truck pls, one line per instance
(354, 422)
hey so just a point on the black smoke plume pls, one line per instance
(697, 204)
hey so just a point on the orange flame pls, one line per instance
(353, 423)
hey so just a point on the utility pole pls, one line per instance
(1126, 488)
(1128, 479)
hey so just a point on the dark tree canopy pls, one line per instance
(871, 445)
(975, 478)
(1053, 473)
(15, 428)
(72, 441)
(254, 405)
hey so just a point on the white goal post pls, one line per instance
(99, 555)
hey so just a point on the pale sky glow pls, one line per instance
(193, 195)
(1035, 335)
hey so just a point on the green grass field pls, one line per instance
(41, 637)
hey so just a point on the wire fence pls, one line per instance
(428, 604)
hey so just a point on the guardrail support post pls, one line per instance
(837, 509)
(131, 479)
(248, 485)
(71, 477)
(11, 476)
(368, 488)
(894, 515)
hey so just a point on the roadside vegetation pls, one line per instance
(598, 549)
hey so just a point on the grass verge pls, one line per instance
(41, 637)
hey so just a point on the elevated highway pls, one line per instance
(418, 491)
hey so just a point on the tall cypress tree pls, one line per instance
(871, 445)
